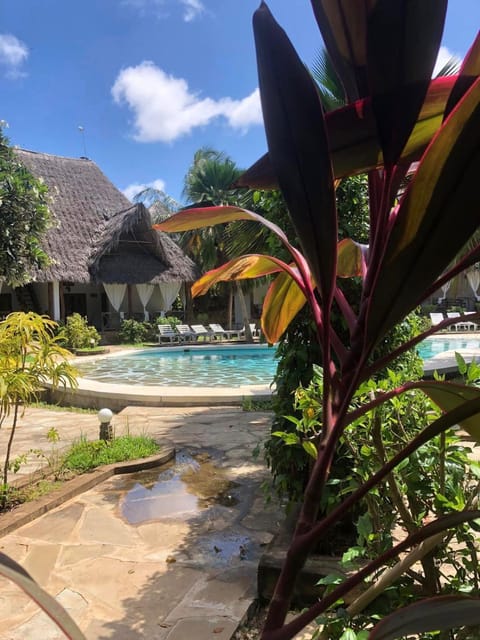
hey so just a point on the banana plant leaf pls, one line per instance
(200, 217)
(241, 268)
(351, 258)
(283, 300)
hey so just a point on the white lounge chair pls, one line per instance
(463, 325)
(476, 325)
(200, 331)
(165, 332)
(436, 318)
(253, 328)
(185, 332)
(218, 330)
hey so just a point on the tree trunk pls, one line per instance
(230, 308)
(245, 314)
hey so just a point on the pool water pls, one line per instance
(432, 346)
(189, 366)
(216, 366)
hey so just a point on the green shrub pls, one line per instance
(78, 334)
(132, 331)
(171, 320)
(85, 455)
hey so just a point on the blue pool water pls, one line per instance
(196, 367)
(432, 346)
(216, 366)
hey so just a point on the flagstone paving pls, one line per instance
(144, 557)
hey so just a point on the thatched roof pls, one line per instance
(97, 234)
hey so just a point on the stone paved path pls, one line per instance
(190, 575)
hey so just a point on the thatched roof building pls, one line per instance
(97, 234)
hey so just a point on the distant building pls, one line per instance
(107, 261)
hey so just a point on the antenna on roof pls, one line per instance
(82, 131)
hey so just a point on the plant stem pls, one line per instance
(8, 452)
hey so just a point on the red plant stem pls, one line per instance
(346, 309)
(382, 362)
(289, 630)
(304, 540)
(464, 411)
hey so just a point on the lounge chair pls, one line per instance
(436, 318)
(476, 325)
(218, 330)
(463, 325)
(165, 332)
(185, 332)
(253, 328)
(200, 331)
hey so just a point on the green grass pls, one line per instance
(40, 404)
(85, 455)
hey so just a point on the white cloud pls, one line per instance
(193, 8)
(165, 109)
(246, 112)
(13, 53)
(444, 55)
(133, 189)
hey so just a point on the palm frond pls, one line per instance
(329, 85)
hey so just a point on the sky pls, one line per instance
(139, 85)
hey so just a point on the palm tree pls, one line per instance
(209, 182)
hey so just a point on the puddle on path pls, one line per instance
(182, 491)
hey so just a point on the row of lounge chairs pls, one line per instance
(464, 324)
(195, 332)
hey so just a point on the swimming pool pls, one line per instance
(202, 366)
(438, 344)
(225, 366)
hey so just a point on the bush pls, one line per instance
(78, 334)
(171, 320)
(132, 331)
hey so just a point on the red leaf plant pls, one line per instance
(384, 52)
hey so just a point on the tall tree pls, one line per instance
(24, 218)
(209, 182)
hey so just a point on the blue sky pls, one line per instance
(150, 81)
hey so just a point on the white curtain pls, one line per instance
(145, 293)
(115, 293)
(445, 288)
(169, 291)
(473, 278)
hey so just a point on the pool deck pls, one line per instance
(445, 363)
(169, 578)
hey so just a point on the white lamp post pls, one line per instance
(106, 430)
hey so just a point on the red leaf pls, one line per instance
(344, 34)
(435, 219)
(435, 614)
(354, 144)
(298, 147)
(403, 38)
(468, 73)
